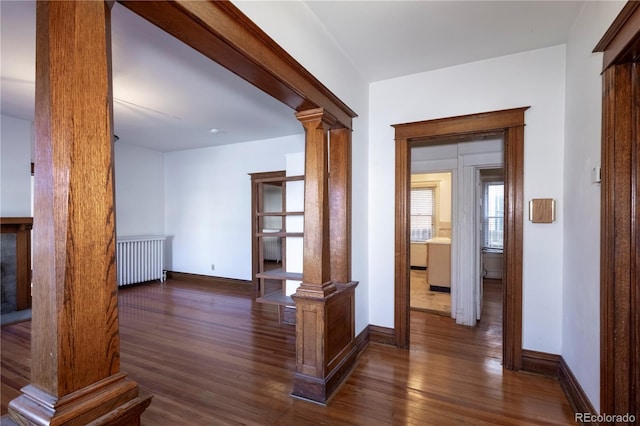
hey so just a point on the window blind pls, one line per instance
(493, 217)
(422, 213)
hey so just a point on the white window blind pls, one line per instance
(422, 213)
(493, 217)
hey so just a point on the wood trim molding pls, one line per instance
(575, 394)
(621, 43)
(382, 335)
(620, 216)
(620, 241)
(221, 32)
(509, 123)
(552, 365)
(542, 363)
(362, 341)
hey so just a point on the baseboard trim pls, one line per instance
(383, 335)
(542, 363)
(361, 341)
(205, 278)
(555, 366)
(573, 391)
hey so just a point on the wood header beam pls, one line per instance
(221, 32)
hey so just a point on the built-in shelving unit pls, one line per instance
(271, 221)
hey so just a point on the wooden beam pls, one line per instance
(218, 30)
(75, 369)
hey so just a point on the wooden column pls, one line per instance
(325, 321)
(340, 204)
(75, 373)
(315, 261)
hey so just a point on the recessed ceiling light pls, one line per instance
(214, 131)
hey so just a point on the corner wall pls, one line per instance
(581, 276)
(15, 167)
(139, 178)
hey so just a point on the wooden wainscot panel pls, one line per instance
(311, 354)
(325, 336)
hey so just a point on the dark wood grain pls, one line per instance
(620, 241)
(211, 355)
(340, 204)
(316, 262)
(75, 362)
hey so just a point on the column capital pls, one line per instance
(316, 115)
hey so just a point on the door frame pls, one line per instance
(510, 124)
(620, 215)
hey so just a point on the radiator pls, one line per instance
(140, 259)
(272, 246)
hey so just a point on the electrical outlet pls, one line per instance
(213, 267)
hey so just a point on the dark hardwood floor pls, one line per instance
(212, 356)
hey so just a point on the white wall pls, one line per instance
(139, 177)
(292, 25)
(581, 298)
(535, 79)
(208, 204)
(15, 167)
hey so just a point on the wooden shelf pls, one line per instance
(276, 298)
(279, 274)
(267, 214)
(272, 283)
(280, 234)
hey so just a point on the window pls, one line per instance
(493, 215)
(422, 213)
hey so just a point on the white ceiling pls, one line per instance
(168, 96)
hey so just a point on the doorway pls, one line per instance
(510, 125)
(430, 230)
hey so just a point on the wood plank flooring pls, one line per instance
(213, 356)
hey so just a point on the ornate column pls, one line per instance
(325, 352)
(340, 204)
(75, 373)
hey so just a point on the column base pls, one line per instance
(325, 349)
(112, 401)
(320, 391)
